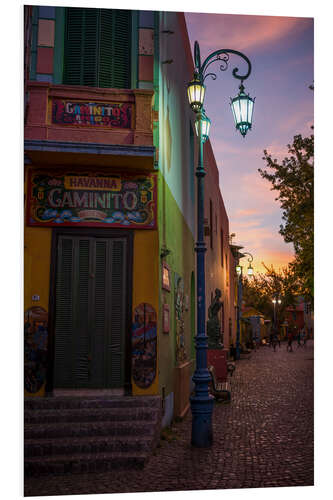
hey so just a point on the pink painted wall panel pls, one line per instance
(46, 32)
(146, 68)
(45, 60)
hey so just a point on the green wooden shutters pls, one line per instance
(97, 48)
(90, 312)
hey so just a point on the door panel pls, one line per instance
(90, 312)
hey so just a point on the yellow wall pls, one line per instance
(145, 284)
(37, 251)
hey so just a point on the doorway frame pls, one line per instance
(94, 233)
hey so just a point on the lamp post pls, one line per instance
(275, 301)
(239, 271)
(242, 106)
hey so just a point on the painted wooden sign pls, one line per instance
(92, 114)
(35, 349)
(69, 199)
(144, 348)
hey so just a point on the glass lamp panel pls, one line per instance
(250, 271)
(196, 95)
(237, 111)
(250, 111)
(205, 127)
(243, 108)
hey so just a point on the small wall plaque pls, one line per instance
(166, 277)
(166, 318)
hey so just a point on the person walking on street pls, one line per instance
(279, 340)
(290, 342)
(299, 339)
(305, 339)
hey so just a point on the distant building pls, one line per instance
(300, 315)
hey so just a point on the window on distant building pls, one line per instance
(97, 48)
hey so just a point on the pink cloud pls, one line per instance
(245, 213)
(247, 32)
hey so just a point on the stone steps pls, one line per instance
(90, 415)
(68, 402)
(90, 444)
(80, 463)
(89, 434)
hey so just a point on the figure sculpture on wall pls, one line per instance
(213, 323)
(180, 327)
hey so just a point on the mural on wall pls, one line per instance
(179, 313)
(100, 200)
(92, 114)
(35, 348)
(144, 345)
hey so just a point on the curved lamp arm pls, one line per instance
(250, 259)
(221, 55)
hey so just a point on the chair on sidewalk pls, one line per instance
(220, 390)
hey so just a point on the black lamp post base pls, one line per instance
(202, 429)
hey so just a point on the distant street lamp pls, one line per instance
(242, 106)
(239, 271)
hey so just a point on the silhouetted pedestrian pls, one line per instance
(290, 342)
(233, 352)
(299, 339)
(305, 338)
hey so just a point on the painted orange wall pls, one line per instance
(146, 284)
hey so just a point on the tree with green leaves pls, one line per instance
(293, 179)
(260, 289)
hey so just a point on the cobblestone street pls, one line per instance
(264, 438)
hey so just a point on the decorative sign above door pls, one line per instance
(69, 199)
(92, 114)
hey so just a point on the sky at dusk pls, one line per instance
(281, 52)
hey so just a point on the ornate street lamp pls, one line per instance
(275, 301)
(203, 122)
(242, 109)
(202, 401)
(250, 270)
(196, 93)
(240, 296)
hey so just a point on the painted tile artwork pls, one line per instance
(144, 339)
(35, 348)
(179, 307)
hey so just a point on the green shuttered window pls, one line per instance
(97, 48)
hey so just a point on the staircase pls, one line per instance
(94, 434)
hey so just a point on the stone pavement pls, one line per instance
(264, 438)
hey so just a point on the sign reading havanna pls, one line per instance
(91, 200)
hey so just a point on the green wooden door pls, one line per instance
(90, 312)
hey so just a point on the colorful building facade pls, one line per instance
(110, 156)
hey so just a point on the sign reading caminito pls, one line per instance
(92, 114)
(70, 199)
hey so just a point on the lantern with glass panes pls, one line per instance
(242, 109)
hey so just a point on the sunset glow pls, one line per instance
(281, 53)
